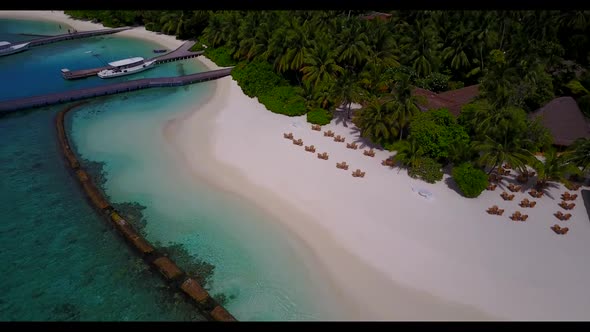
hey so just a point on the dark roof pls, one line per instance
(383, 16)
(452, 100)
(565, 121)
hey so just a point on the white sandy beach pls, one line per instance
(394, 254)
(401, 256)
(169, 42)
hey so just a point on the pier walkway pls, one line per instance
(74, 35)
(145, 83)
(180, 53)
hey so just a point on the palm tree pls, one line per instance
(579, 154)
(408, 152)
(298, 41)
(171, 21)
(212, 33)
(553, 168)
(493, 154)
(375, 121)
(382, 47)
(320, 65)
(405, 103)
(347, 90)
(353, 46)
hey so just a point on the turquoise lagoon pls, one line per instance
(252, 264)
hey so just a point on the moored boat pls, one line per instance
(126, 67)
(7, 48)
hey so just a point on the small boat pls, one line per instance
(126, 67)
(160, 51)
(7, 48)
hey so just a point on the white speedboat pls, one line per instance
(126, 67)
(7, 48)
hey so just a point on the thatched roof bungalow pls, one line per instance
(452, 100)
(564, 119)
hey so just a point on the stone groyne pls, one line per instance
(206, 305)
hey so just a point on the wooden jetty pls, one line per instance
(171, 272)
(74, 35)
(181, 53)
(80, 94)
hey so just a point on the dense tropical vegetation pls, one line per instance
(320, 63)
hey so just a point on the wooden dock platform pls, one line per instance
(180, 53)
(145, 83)
(74, 35)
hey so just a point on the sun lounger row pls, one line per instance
(514, 188)
(569, 197)
(358, 174)
(502, 171)
(388, 162)
(310, 148)
(495, 210)
(342, 165)
(525, 203)
(506, 196)
(339, 138)
(329, 133)
(323, 155)
(316, 127)
(495, 178)
(492, 187)
(288, 135)
(353, 146)
(567, 206)
(557, 229)
(517, 216)
(369, 153)
(298, 142)
(559, 215)
(536, 194)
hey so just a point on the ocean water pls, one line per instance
(256, 265)
(61, 261)
(250, 263)
(38, 70)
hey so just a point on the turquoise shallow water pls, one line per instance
(60, 260)
(38, 70)
(257, 265)
(254, 266)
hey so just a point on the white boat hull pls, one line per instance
(14, 49)
(111, 73)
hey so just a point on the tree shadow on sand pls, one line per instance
(453, 186)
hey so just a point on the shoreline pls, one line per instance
(394, 254)
(365, 293)
(163, 40)
(374, 263)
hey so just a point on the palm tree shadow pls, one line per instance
(361, 141)
(546, 192)
(339, 115)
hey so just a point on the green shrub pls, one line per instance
(257, 78)
(221, 56)
(454, 85)
(435, 82)
(284, 100)
(436, 132)
(471, 181)
(426, 169)
(319, 116)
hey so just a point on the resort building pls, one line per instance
(564, 119)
